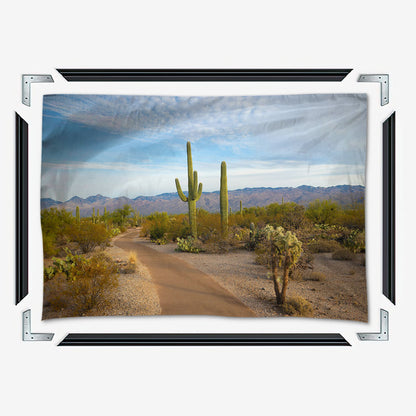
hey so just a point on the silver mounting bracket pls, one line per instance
(383, 335)
(27, 80)
(28, 335)
(383, 79)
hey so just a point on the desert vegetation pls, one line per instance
(78, 274)
(283, 237)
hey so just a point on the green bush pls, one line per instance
(297, 306)
(89, 235)
(342, 254)
(55, 224)
(322, 212)
(156, 226)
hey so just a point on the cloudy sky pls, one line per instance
(118, 145)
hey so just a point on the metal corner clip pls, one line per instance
(27, 80)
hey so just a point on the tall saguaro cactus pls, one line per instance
(224, 199)
(194, 191)
(77, 216)
(241, 207)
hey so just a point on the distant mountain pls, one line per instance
(251, 197)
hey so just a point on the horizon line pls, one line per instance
(208, 192)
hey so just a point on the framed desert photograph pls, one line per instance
(243, 206)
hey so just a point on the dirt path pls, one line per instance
(182, 288)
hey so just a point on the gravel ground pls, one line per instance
(135, 294)
(342, 295)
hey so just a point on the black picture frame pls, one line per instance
(389, 208)
(22, 209)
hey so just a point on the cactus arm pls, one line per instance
(190, 167)
(199, 193)
(179, 189)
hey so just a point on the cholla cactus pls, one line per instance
(283, 249)
(194, 191)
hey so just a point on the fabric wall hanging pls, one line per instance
(243, 206)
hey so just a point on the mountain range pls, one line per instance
(250, 197)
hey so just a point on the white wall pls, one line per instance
(371, 37)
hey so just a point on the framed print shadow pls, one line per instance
(239, 206)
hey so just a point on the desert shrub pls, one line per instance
(50, 247)
(342, 254)
(89, 235)
(322, 212)
(54, 294)
(156, 226)
(314, 276)
(209, 225)
(355, 241)
(297, 306)
(90, 281)
(55, 223)
(81, 283)
(323, 246)
(120, 216)
(178, 227)
(288, 215)
(188, 245)
(353, 218)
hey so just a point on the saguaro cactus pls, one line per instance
(77, 216)
(194, 191)
(224, 199)
(97, 219)
(241, 207)
(93, 216)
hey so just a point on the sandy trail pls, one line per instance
(182, 288)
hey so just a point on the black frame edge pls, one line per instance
(389, 208)
(22, 191)
(199, 339)
(198, 75)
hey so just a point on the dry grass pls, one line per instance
(297, 306)
(323, 246)
(342, 254)
(314, 276)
